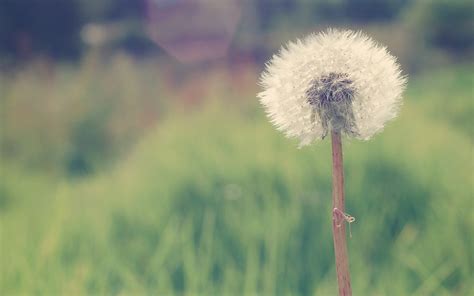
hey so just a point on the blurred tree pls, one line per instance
(359, 11)
(98, 11)
(49, 27)
(124, 22)
(270, 12)
(362, 11)
(448, 24)
(126, 8)
(372, 10)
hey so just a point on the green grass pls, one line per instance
(217, 202)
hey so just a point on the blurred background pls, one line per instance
(135, 158)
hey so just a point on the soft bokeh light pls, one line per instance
(193, 30)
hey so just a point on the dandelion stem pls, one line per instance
(338, 227)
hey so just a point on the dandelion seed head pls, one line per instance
(335, 80)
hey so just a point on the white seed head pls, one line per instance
(335, 80)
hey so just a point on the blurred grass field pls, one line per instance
(214, 201)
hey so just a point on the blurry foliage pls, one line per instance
(445, 24)
(358, 11)
(282, 14)
(49, 27)
(52, 27)
(75, 121)
(219, 203)
(30, 27)
(373, 10)
(458, 106)
(133, 40)
(60, 119)
(97, 11)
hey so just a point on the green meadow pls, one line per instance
(212, 200)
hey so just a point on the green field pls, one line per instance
(215, 201)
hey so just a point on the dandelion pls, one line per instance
(339, 82)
